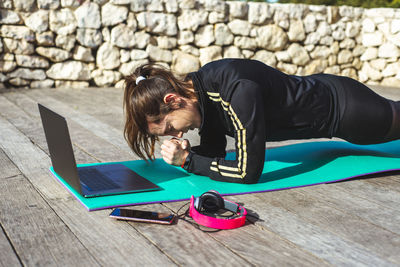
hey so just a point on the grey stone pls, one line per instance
(71, 84)
(345, 56)
(391, 69)
(123, 36)
(370, 53)
(296, 31)
(215, 5)
(17, 32)
(54, 54)
(223, 35)
(158, 23)
(62, 21)
(128, 68)
(347, 43)
(3, 78)
(310, 23)
(19, 82)
(192, 19)
(320, 52)
(240, 27)
(232, 52)
(22, 5)
(166, 42)
(108, 56)
(171, 6)
(298, 54)
(47, 83)
(312, 38)
(66, 42)
(368, 25)
(372, 39)
(283, 56)
(21, 47)
(38, 21)
(7, 66)
(142, 39)
(188, 49)
(48, 4)
(395, 26)
(185, 37)
(83, 54)
(89, 37)
(9, 17)
(88, 15)
(216, 17)
(245, 42)
(388, 50)
(147, 5)
(315, 66)
(271, 37)
(209, 54)
(8, 4)
(105, 77)
(238, 9)
(259, 12)
(70, 70)
(131, 21)
(28, 74)
(70, 3)
(204, 36)
(183, 63)
(266, 57)
(378, 64)
(31, 61)
(287, 68)
(125, 55)
(371, 73)
(158, 54)
(112, 15)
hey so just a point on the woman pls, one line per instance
(253, 103)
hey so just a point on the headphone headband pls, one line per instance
(217, 223)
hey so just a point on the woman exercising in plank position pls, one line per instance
(253, 103)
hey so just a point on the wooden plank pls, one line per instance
(7, 254)
(259, 245)
(38, 235)
(384, 196)
(99, 235)
(391, 181)
(308, 236)
(368, 210)
(7, 168)
(29, 122)
(315, 210)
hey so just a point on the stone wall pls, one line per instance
(47, 43)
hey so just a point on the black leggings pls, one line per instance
(364, 116)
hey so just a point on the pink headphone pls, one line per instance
(212, 201)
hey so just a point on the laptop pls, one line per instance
(90, 181)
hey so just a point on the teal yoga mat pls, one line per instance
(285, 167)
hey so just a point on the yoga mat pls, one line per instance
(285, 167)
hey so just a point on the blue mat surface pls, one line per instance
(285, 167)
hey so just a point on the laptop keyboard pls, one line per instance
(94, 180)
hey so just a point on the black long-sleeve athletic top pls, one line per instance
(254, 103)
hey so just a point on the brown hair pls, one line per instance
(144, 102)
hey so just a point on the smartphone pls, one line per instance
(142, 216)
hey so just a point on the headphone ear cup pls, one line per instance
(211, 201)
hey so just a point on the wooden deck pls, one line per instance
(352, 223)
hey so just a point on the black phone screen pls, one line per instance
(142, 216)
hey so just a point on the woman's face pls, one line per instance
(179, 121)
